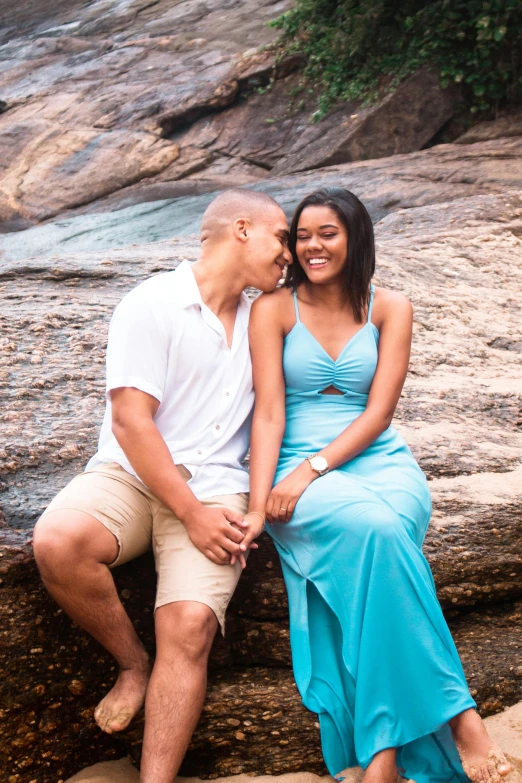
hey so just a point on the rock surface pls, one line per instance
(505, 729)
(439, 174)
(460, 263)
(509, 124)
(164, 98)
(404, 121)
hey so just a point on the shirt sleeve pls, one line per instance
(137, 349)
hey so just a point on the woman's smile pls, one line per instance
(317, 262)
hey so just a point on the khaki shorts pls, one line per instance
(140, 521)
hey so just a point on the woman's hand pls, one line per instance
(284, 496)
(252, 526)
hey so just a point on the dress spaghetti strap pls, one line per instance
(370, 306)
(296, 305)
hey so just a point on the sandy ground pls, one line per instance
(122, 771)
(505, 729)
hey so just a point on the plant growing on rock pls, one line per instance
(357, 49)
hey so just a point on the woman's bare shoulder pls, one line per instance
(274, 311)
(277, 301)
(389, 303)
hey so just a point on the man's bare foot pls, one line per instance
(124, 700)
(482, 761)
(383, 768)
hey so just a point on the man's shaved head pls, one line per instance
(232, 205)
(245, 233)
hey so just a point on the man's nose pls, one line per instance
(287, 255)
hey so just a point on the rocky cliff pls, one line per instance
(121, 101)
(118, 121)
(460, 262)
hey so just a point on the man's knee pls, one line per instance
(62, 539)
(187, 628)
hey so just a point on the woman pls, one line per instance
(371, 651)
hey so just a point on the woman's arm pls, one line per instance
(266, 346)
(392, 366)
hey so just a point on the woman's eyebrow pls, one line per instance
(326, 225)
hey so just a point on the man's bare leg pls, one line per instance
(176, 692)
(72, 550)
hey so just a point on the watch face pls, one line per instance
(319, 463)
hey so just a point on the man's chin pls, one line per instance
(267, 288)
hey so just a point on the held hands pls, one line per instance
(225, 536)
(253, 524)
(284, 496)
(218, 533)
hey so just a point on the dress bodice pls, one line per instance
(309, 369)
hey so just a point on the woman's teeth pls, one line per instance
(317, 261)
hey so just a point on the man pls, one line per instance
(169, 473)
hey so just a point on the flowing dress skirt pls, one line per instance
(372, 653)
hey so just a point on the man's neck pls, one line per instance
(219, 284)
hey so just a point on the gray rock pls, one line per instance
(460, 263)
(432, 176)
(406, 120)
(509, 124)
(85, 98)
(133, 98)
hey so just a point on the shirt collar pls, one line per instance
(187, 288)
(188, 292)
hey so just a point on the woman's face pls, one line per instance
(322, 244)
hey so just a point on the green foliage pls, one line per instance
(355, 49)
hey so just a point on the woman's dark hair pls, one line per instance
(360, 263)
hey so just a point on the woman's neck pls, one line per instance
(329, 296)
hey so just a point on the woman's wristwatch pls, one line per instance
(318, 464)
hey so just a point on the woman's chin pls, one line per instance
(322, 276)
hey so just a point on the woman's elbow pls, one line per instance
(387, 417)
(382, 418)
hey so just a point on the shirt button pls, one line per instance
(199, 451)
(218, 427)
(227, 394)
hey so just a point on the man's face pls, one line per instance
(268, 251)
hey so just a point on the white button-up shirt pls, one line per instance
(165, 341)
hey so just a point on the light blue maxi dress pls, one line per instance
(371, 651)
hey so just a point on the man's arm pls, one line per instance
(133, 426)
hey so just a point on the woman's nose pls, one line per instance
(315, 243)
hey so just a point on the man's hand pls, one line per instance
(252, 526)
(217, 532)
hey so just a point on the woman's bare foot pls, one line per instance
(383, 768)
(124, 700)
(483, 762)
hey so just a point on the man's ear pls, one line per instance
(241, 229)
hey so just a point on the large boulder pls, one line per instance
(85, 89)
(97, 99)
(439, 174)
(460, 263)
(505, 125)
(404, 121)
(60, 169)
